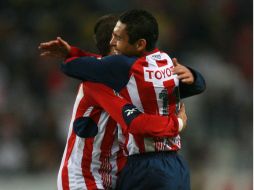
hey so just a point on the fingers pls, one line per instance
(187, 81)
(182, 115)
(182, 106)
(44, 54)
(186, 78)
(64, 44)
(50, 44)
(182, 72)
(182, 76)
(175, 62)
(61, 41)
(179, 70)
(47, 54)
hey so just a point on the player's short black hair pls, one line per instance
(103, 32)
(141, 24)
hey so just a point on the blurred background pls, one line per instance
(36, 99)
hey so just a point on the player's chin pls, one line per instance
(115, 52)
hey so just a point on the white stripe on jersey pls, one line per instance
(133, 93)
(96, 163)
(76, 178)
(132, 146)
(76, 154)
(77, 101)
(166, 70)
(113, 161)
(156, 78)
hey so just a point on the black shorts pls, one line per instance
(154, 171)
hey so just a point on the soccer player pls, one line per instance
(93, 163)
(147, 80)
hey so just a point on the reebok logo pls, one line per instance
(130, 111)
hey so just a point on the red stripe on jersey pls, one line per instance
(147, 95)
(161, 63)
(106, 146)
(145, 89)
(124, 92)
(87, 156)
(65, 176)
(76, 52)
(151, 89)
(70, 145)
(86, 164)
(126, 144)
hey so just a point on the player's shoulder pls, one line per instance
(122, 59)
(157, 55)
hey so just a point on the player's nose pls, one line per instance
(112, 41)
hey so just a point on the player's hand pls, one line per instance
(184, 74)
(55, 48)
(182, 114)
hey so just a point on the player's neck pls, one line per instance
(149, 52)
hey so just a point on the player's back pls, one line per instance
(153, 89)
(152, 86)
(147, 82)
(90, 163)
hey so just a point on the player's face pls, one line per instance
(120, 41)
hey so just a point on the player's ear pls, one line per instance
(141, 45)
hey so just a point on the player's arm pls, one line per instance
(112, 71)
(197, 87)
(130, 118)
(76, 52)
(191, 81)
(59, 48)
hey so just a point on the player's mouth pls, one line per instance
(114, 51)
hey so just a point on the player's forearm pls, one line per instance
(129, 117)
(154, 126)
(76, 52)
(82, 68)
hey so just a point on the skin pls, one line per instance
(120, 42)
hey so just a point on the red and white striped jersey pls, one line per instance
(147, 82)
(153, 89)
(91, 163)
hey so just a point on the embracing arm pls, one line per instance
(130, 118)
(197, 87)
(191, 81)
(76, 52)
(112, 71)
(60, 48)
